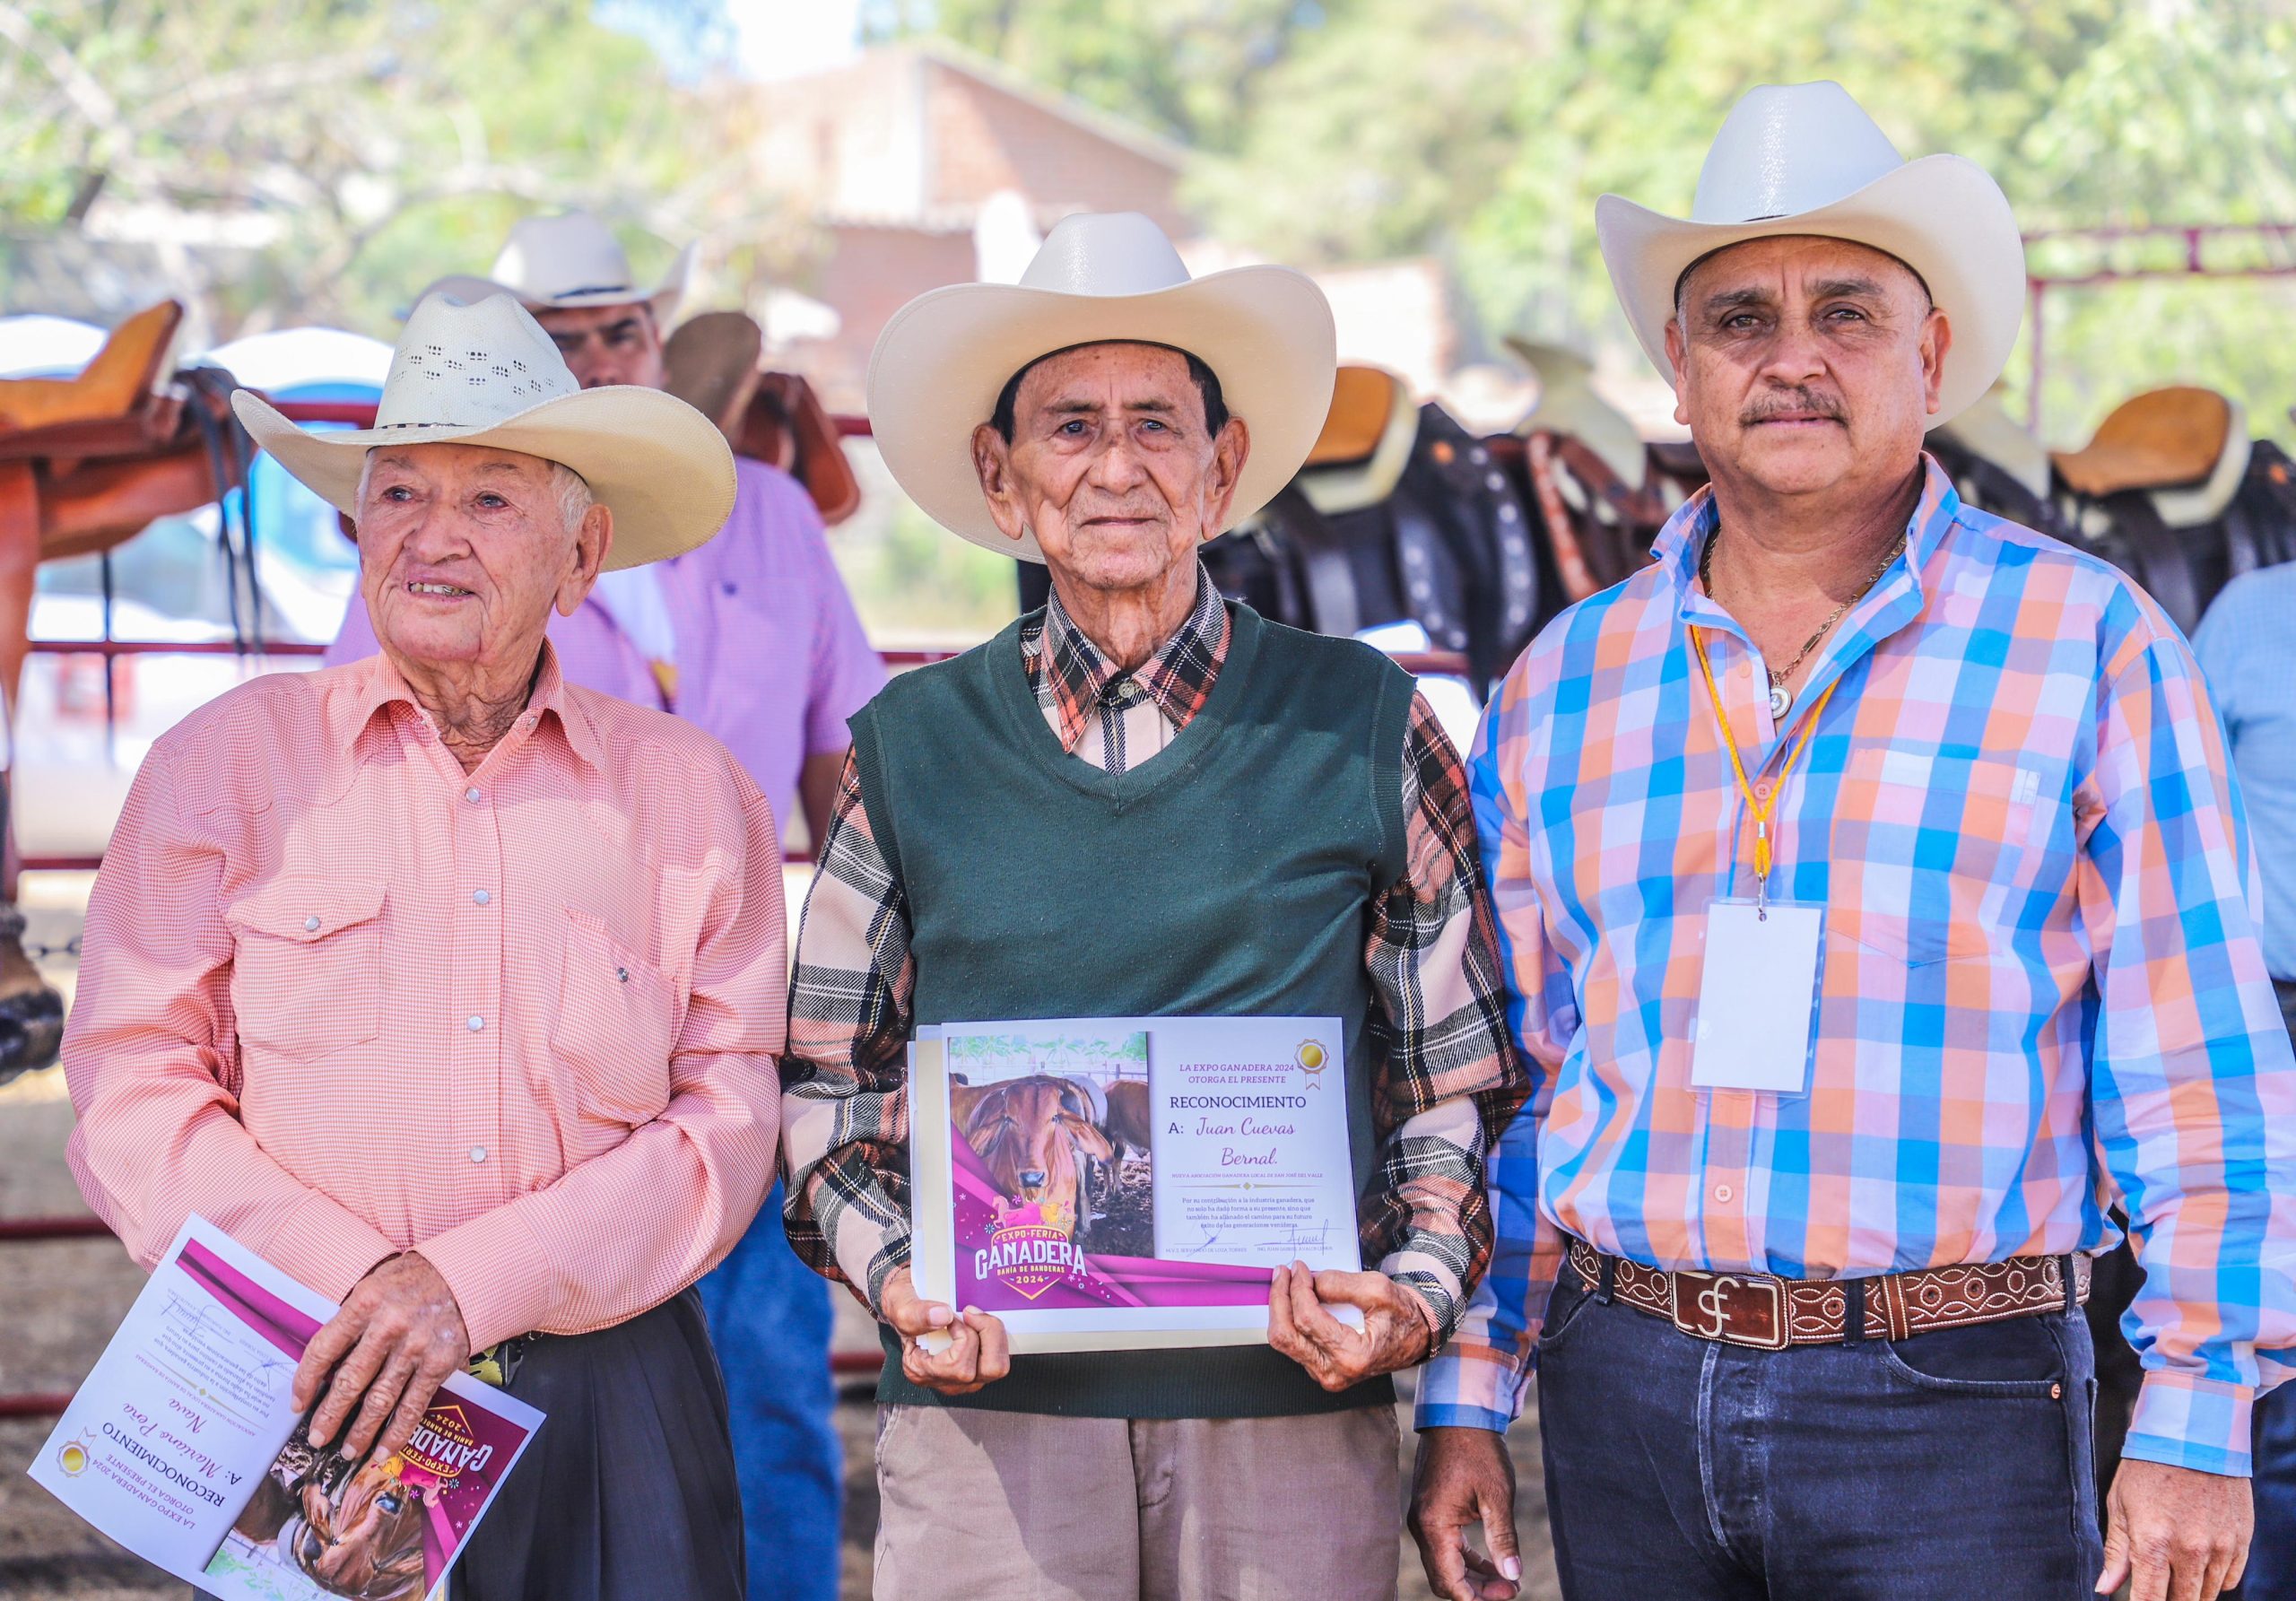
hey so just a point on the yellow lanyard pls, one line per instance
(1761, 809)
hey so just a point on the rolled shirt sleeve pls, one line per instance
(2193, 1088)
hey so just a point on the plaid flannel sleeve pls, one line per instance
(844, 1097)
(1450, 1080)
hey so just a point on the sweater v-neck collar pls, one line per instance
(1184, 749)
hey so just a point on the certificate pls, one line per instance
(1117, 1183)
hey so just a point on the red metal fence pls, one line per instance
(35, 1229)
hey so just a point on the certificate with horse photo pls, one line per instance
(1120, 1183)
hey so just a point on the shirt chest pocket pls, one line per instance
(307, 965)
(617, 1021)
(1926, 851)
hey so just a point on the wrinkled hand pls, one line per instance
(1395, 1333)
(978, 1352)
(396, 1338)
(1465, 1477)
(2175, 1534)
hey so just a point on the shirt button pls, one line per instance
(471, 795)
(475, 1023)
(310, 925)
(478, 1153)
(1762, 790)
(1723, 1192)
(480, 896)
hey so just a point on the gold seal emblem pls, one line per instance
(72, 1458)
(1310, 1056)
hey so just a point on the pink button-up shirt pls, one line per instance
(771, 657)
(343, 999)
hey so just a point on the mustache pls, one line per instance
(1808, 401)
(1150, 513)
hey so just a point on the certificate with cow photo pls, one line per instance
(1119, 1183)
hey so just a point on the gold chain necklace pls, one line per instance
(1781, 698)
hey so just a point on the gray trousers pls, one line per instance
(1017, 1506)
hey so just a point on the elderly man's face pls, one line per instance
(1111, 464)
(465, 549)
(1803, 364)
(608, 345)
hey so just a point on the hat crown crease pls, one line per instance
(1106, 254)
(1790, 148)
(573, 254)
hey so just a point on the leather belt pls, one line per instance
(1767, 1313)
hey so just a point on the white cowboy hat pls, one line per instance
(487, 374)
(1264, 331)
(563, 263)
(1804, 158)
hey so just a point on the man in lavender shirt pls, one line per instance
(753, 638)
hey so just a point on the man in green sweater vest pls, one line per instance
(1143, 801)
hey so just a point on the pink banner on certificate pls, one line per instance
(252, 1305)
(1009, 1259)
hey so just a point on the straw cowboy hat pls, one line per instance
(488, 375)
(1804, 158)
(567, 263)
(1266, 332)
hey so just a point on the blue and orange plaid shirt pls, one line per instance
(2040, 987)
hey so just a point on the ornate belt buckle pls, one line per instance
(1724, 1304)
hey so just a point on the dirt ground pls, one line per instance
(60, 1301)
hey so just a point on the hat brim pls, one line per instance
(1266, 332)
(1943, 216)
(660, 466)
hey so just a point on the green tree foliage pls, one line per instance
(1485, 129)
(321, 159)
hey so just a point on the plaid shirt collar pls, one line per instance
(1178, 678)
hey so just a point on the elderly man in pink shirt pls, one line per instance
(456, 989)
(753, 638)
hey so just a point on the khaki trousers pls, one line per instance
(1008, 1506)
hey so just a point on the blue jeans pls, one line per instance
(1949, 1466)
(770, 1318)
(2272, 1559)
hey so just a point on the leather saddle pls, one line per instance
(1399, 515)
(2174, 491)
(90, 462)
(1589, 475)
(87, 463)
(712, 362)
(1997, 466)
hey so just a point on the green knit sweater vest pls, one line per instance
(1233, 874)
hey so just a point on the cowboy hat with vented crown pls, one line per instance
(1805, 159)
(1266, 332)
(488, 375)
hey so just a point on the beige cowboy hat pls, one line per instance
(1805, 158)
(567, 263)
(488, 375)
(1264, 331)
